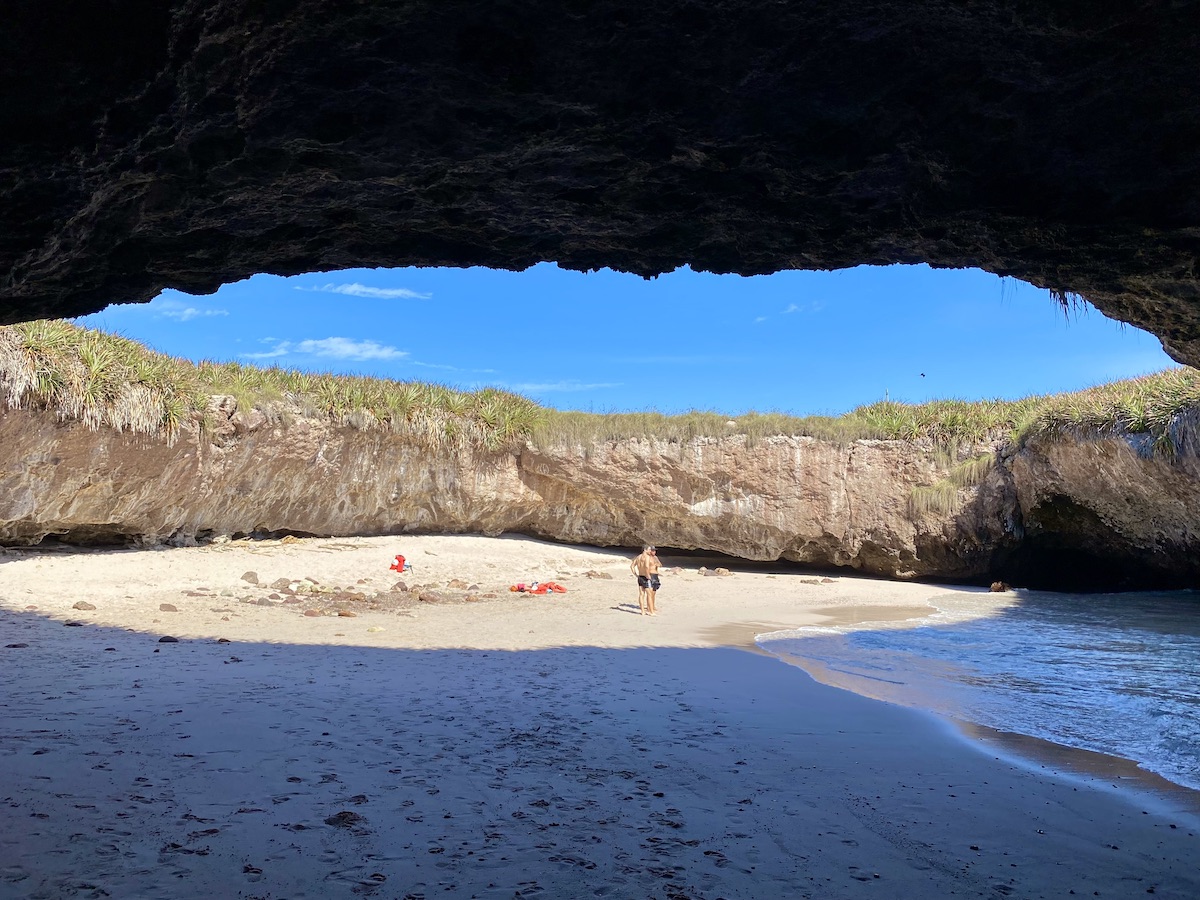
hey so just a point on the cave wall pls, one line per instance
(147, 144)
(1102, 513)
(826, 504)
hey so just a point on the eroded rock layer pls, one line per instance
(1081, 514)
(148, 144)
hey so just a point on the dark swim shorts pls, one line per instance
(652, 582)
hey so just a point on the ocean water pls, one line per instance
(1113, 673)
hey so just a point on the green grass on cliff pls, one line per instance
(1153, 405)
(103, 380)
(945, 422)
(1149, 405)
(944, 495)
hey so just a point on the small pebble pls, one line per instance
(167, 639)
(83, 604)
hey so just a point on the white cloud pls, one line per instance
(344, 348)
(759, 320)
(812, 306)
(332, 348)
(362, 290)
(280, 349)
(426, 365)
(175, 309)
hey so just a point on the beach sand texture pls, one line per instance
(556, 746)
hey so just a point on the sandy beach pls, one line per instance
(557, 745)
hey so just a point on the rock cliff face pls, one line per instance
(1107, 512)
(1083, 514)
(175, 143)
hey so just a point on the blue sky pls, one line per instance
(796, 342)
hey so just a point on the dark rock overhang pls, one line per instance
(147, 144)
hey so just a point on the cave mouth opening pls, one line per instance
(796, 342)
(1052, 564)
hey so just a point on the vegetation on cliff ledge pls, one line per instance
(104, 380)
(1151, 405)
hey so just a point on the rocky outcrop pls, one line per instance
(1108, 512)
(816, 502)
(1062, 514)
(174, 143)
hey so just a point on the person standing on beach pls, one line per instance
(646, 567)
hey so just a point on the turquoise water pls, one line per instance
(1113, 673)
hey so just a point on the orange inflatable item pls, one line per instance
(536, 588)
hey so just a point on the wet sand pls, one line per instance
(511, 746)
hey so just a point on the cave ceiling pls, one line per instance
(154, 144)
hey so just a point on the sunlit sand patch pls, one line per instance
(849, 616)
(609, 753)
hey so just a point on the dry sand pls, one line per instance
(561, 746)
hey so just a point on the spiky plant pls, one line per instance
(104, 380)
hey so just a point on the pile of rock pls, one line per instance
(321, 599)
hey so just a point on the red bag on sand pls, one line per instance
(398, 565)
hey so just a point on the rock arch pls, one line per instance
(147, 144)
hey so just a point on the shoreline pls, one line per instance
(560, 744)
(1096, 770)
(1101, 771)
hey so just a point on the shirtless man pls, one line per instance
(646, 567)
